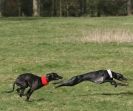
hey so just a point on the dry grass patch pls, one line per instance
(107, 35)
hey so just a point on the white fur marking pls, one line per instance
(110, 73)
(99, 80)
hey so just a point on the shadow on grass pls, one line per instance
(120, 93)
(41, 99)
(38, 100)
(110, 94)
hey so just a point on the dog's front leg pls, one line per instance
(22, 92)
(29, 92)
(113, 83)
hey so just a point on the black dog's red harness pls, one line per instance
(44, 80)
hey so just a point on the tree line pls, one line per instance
(66, 7)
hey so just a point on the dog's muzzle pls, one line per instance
(124, 79)
(59, 77)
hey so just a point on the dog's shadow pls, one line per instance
(38, 100)
(119, 93)
(127, 93)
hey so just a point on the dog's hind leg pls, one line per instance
(73, 81)
(22, 92)
(22, 86)
(18, 90)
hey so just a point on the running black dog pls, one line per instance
(32, 81)
(100, 76)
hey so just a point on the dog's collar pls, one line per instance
(110, 73)
(44, 80)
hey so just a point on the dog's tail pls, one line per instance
(12, 89)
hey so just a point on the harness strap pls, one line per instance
(110, 73)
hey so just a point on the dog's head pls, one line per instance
(120, 77)
(53, 76)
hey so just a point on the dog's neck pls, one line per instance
(114, 75)
(44, 80)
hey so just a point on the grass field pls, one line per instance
(68, 46)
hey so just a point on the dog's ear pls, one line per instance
(51, 75)
(48, 75)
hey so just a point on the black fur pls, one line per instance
(31, 81)
(100, 76)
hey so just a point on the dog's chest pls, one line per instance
(99, 80)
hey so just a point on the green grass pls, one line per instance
(62, 45)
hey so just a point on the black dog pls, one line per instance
(32, 81)
(100, 76)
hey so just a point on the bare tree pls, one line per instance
(60, 8)
(36, 7)
(19, 7)
(83, 6)
(0, 8)
(53, 7)
(129, 7)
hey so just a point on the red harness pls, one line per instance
(44, 80)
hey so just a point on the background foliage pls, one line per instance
(66, 7)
